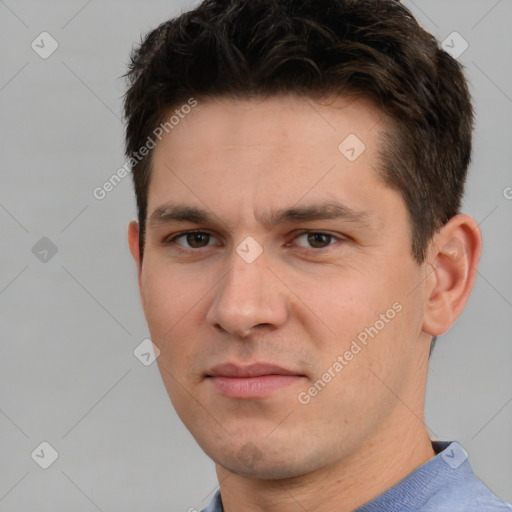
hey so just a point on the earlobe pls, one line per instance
(453, 257)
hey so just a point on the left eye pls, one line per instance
(315, 240)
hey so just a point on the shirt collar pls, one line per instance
(449, 464)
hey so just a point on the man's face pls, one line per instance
(270, 278)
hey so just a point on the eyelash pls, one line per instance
(172, 240)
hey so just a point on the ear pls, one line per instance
(133, 242)
(454, 254)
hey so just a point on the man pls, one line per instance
(299, 168)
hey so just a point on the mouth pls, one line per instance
(254, 381)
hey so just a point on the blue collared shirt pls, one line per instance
(445, 483)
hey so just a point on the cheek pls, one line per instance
(367, 317)
(339, 304)
(356, 382)
(169, 294)
(173, 303)
(379, 352)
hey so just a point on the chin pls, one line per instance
(267, 470)
(264, 463)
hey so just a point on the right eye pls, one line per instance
(190, 240)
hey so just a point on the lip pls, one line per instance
(257, 380)
(251, 370)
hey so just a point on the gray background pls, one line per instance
(70, 324)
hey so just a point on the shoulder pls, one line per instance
(469, 495)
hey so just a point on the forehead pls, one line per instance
(288, 120)
(271, 151)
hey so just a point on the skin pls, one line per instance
(299, 304)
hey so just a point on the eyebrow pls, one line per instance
(171, 212)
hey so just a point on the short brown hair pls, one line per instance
(317, 48)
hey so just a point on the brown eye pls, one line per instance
(315, 240)
(319, 239)
(198, 239)
(193, 240)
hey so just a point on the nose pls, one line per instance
(249, 298)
